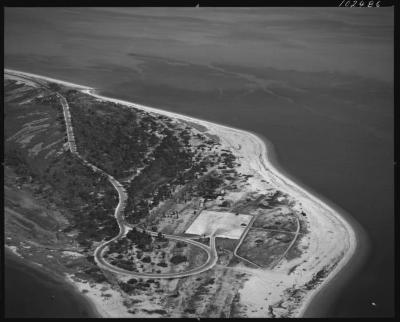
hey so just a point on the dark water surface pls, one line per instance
(30, 292)
(332, 129)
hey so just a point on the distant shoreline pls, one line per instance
(354, 230)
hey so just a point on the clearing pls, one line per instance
(221, 224)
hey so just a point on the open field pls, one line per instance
(276, 220)
(220, 224)
(264, 247)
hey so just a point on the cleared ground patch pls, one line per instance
(276, 220)
(222, 224)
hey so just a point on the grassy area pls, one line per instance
(276, 220)
(34, 136)
(226, 243)
(264, 247)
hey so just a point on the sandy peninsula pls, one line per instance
(329, 245)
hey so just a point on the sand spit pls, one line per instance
(332, 239)
(14, 74)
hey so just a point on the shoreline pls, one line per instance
(266, 159)
(352, 266)
(87, 303)
(350, 263)
(92, 305)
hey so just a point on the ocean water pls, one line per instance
(331, 127)
(31, 293)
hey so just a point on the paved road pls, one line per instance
(297, 233)
(241, 241)
(212, 256)
(292, 243)
(68, 124)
